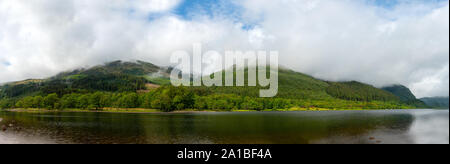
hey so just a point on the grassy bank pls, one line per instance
(106, 110)
(139, 110)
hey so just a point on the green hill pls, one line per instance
(116, 76)
(359, 92)
(405, 95)
(294, 85)
(291, 85)
(401, 91)
(137, 84)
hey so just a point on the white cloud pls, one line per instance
(431, 81)
(154, 5)
(333, 40)
(43, 37)
(350, 40)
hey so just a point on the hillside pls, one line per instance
(437, 102)
(296, 85)
(291, 85)
(138, 83)
(405, 95)
(401, 91)
(116, 76)
(359, 92)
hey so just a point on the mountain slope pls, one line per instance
(359, 92)
(291, 85)
(405, 95)
(401, 91)
(116, 76)
(295, 89)
(295, 85)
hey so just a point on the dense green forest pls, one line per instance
(169, 98)
(359, 92)
(144, 85)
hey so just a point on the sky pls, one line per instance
(379, 42)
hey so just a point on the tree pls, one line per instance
(28, 102)
(96, 100)
(129, 100)
(83, 102)
(166, 102)
(170, 98)
(178, 102)
(147, 99)
(38, 102)
(6, 103)
(51, 101)
(19, 104)
(69, 101)
(200, 103)
(156, 104)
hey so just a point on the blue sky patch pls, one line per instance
(192, 9)
(386, 3)
(390, 4)
(212, 8)
(189, 9)
(6, 63)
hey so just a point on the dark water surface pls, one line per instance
(371, 127)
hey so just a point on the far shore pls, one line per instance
(137, 111)
(149, 111)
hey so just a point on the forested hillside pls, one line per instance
(359, 92)
(405, 95)
(116, 76)
(144, 85)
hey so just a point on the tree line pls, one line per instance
(170, 98)
(356, 91)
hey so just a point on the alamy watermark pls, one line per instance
(261, 68)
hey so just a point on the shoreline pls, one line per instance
(129, 111)
(155, 111)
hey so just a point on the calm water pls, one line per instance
(405, 126)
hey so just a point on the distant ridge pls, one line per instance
(437, 102)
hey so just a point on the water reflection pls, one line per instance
(417, 126)
(431, 127)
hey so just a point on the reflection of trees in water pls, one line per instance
(300, 127)
(286, 127)
(359, 128)
(357, 124)
(176, 129)
(79, 127)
